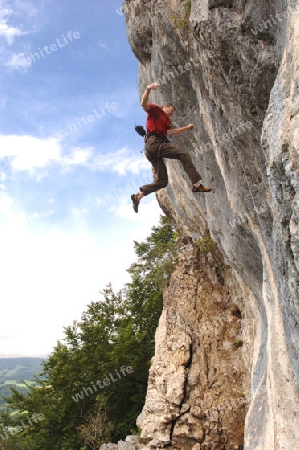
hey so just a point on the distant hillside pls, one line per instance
(19, 368)
(13, 371)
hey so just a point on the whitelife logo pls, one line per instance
(85, 120)
(101, 384)
(26, 423)
(48, 49)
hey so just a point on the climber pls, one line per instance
(158, 147)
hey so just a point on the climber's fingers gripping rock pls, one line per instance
(154, 86)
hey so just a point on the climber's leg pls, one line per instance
(160, 175)
(172, 152)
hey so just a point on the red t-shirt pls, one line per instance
(157, 120)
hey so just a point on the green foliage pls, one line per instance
(205, 245)
(239, 394)
(157, 256)
(97, 429)
(183, 21)
(114, 333)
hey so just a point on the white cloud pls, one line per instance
(9, 33)
(122, 161)
(24, 14)
(37, 216)
(48, 277)
(120, 196)
(78, 156)
(12, 9)
(18, 61)
(30, 10)
(46, 280)
(148, 210)
(27, 153)
(5, 203)
(31, 154)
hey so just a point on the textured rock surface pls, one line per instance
(236, 63)
(131, 443)
(197, 388)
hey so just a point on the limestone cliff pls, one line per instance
(226, 360)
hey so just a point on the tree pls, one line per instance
(97, 429)
(96, 380)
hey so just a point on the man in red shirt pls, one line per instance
(158, 147)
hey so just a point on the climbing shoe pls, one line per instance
(200, 188)
(136, 201)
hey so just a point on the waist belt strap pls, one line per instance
(159, 136)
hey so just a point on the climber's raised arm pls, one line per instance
(144, 101)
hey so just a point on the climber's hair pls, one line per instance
(169, 104)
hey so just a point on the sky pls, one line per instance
(69, 161)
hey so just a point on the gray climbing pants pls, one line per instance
(155, 150)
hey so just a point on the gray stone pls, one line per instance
(132, 439)
(109, 447)
(122, 445)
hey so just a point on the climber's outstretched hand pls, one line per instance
(144, 101)
(153, 86)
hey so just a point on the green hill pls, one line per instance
(13, 371)
(19, 368)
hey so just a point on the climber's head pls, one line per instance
(169, 109)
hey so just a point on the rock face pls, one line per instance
(197, 390)
(226, 360)
(131, 443)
